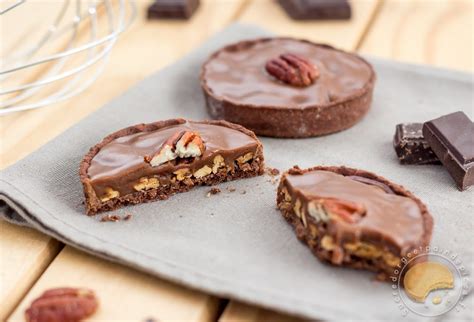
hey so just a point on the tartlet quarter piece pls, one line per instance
(285, 87)
(354, 218)
(152, 161)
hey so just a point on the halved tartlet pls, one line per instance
(147, 162)
(354, 218)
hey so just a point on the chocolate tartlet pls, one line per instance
(354, 218)
(284, 87)
(152, 161)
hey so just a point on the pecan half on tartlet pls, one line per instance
(152, 161)
(354, 218)
(285, 87)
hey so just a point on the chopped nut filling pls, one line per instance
(218, 163)
(329, 208)
(244, 158)
(317, 211)
(204, 171)
(146, 183)
(313, 231)
(327, 243)
(362, 249)
(297, 208)
(109, 194)
(299, 211)
(181, 174)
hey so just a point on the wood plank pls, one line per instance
(24, 255)
(124, 294)
(344, 34)
(240, 312)
(143, 49)
(438, 33)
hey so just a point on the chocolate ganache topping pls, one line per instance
(121, 162)
(238, 75)
(388, 217)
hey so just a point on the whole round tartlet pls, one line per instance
(285, 87)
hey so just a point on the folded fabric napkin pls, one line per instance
(238, 245)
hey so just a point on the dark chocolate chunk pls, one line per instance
(410, 145)
(172, 9)
(452, 139)
(316, 9)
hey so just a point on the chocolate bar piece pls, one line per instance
(452, 139)
(316, 9)
(410, 145)
(354, 218)
(153, 161)
(172, 9)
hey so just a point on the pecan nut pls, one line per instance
(348, 211)
(62, 304)
(185, 144)
(292, 69)
(109, 194)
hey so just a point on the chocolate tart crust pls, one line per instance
(291, 122)
(95, 205)
(384, 272)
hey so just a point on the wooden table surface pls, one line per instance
(435, 32)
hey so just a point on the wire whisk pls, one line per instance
(64, 73)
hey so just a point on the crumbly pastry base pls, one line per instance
(291, 122)
(381, 259)
(94, 204)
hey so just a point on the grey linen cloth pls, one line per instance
(236, 244)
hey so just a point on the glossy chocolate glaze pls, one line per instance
(389, 218)
(238, 75)
(120, 163)
(372, 182)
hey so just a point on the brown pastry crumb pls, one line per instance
(243, 192)
(231, 189)
(127, 217)
(113, 218)
(272, 171)
(215, 191)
